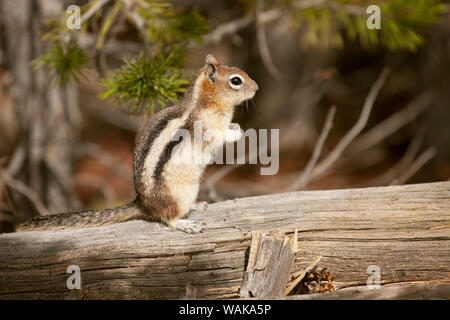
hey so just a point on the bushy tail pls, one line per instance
(82, 219)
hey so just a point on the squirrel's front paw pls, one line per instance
(233, 133)
(187, 226)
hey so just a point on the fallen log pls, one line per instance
(403, 291)
(404, 230)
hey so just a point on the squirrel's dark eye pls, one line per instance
(236, 81)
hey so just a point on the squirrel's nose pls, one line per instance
(256, 87)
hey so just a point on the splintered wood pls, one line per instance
(269, 263)
(302, 275)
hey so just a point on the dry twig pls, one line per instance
(93, 10)
(356, 129)
(305, 176)
(402, 164)
(421, 160)
(392, 124)
(265, 17)
(262, 41)
(27, 192)
(268, 16)
(140, 23)
(15, 164)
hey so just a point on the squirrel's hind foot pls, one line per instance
(187, 226)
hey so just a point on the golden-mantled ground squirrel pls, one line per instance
(166, 187)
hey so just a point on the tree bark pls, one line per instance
(402, 229)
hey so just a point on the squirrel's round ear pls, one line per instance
(211, 60)
(211, 67)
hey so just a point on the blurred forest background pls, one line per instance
(355, 107)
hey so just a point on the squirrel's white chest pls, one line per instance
(215, 124)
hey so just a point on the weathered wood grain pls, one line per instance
(405, 230)
(269, 265)
(403, 291)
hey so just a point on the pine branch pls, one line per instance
(142, 82)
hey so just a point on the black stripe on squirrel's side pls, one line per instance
(168, 150)
(154, 133)
(165, 189)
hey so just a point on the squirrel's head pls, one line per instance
(223, 86)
